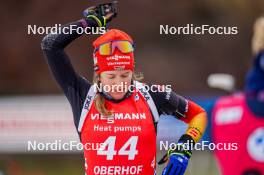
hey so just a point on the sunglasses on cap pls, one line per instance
(109, 47)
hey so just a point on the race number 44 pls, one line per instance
(128, 149)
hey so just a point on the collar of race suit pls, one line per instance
(110, 98)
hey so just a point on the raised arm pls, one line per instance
(74, 86)
(53, 46)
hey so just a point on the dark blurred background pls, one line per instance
(181, 60)
(184, 61)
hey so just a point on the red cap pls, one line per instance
(116, 61)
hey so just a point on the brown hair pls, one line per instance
(99, 100)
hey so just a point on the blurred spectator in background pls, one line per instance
(239, 118)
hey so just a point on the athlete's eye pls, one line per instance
(124, 76)
(111, 77)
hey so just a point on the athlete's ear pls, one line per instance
(96, 77)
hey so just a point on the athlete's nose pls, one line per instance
(119, 84)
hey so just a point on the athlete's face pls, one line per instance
(116, 83)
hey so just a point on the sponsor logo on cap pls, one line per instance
(119, 67)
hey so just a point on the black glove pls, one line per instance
(91, 16)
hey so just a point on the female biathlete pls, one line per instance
(122, 123)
